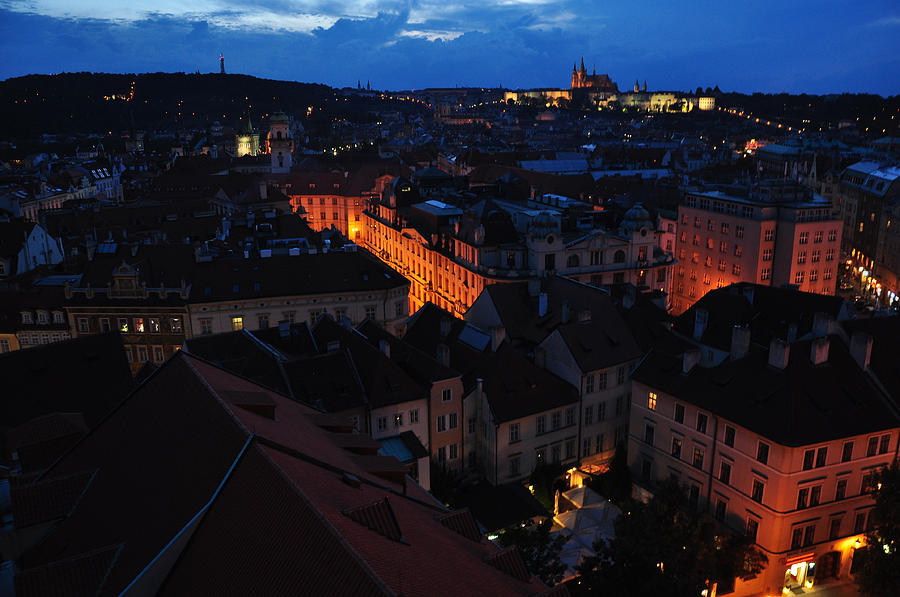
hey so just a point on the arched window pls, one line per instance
(619, 257)
(278, 134)
(572, 261)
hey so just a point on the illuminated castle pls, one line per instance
(594, 82)
(247, 140)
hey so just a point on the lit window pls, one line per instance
(651, 402)
(237, 323)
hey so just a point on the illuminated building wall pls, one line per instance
(765, 239)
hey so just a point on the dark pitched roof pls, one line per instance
(240, 353)
(885, 332)
(424, 368)
(328, 381)
(499, 506)
(88, 375)
(48, 500)
(279, 275)
(84, 574)
(600, 344)
(515, 387)
(800, 405)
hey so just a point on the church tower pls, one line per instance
(281, 144)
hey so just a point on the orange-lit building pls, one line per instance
(772, 234)
(780, 443)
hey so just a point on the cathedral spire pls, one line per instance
(582, 65)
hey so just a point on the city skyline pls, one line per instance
(767, 47)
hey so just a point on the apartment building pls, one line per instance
(779, 442)
(233, 294)
(870, 209)
(774, 233)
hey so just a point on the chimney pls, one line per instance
(818, 351)
(564, 315)
(443, 354)
(690, 359)
(792, 332)
(542, 304)
(821, 324)
(385, 347)
(749, 292)
(740, 342)
(498, 334)
(701, 319)
(861, 349)
(263, 190)
(779, 353)
(630, 296)
(540, 357)
(534, 287)
(445, 327)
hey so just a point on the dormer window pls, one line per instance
(43, 317)
(27, 318)
(58, 317)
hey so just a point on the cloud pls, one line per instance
(886, 22)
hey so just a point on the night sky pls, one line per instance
(765, 45)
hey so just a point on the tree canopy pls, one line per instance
(660, 547)
(539, 549)
(878, 561)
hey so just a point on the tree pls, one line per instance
(539, 549)
(615, 483)
(878, 561)
(545, 480)
(663, 548)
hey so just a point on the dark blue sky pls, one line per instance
(764, 45)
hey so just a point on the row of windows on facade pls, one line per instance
(334, 200)
(138, 325)
(812, 458)
(622, 405)
(36, 338)
(43, 317)
(142, 353)
(556, 456)
(599, 381)
(334, 216)
(764, 274)
(263, 320)
(540, 424)
(748, 211)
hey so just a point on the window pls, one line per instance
(649, 431)
(736, 269)
(400, 308)
(697, 222)
(442, 423)
(697, 461)
(723, 246)
(815, 256)
(721, 507)
(798, 278)
(446, 394)
(588, 415)
(587, 446)
(770, 234)
(514, 465)
(370, 312)
(541, 424)
(679, 413)
(176, 325)
(128, 353)
(646, 468)
(801, 257)
(762, 453)
(513, 432)
(601, 411)
(729, 436)
(139, 325)
(859, 523)
(381, 423)
(694, 496)
(620, 376)
(723, 265)
(765, 273)
(123, 324)
(847, 452)
(821, 456)
(104, 324)
(840, 490)
(588, 384)
(83, 324)
(814, 275)
(868, 482)
(555, 420)
(756, 492)
(710, 243)
(826, 275)
(834, 529)
(832, 235)
(738, 250)
(829, 255)
(817, 236)
(872, 447)
(651, 401)
(815, 495)
(237, 323)
(884, 444)
(398, 420)
(453, 420)
(619, 406)
(752, 528)
(570, 416)
(601, 381)
(701, 422)
(288, 316)
(803, 498)
(570, 449)
(724, 228)
(676, 447)
(555, 455)
(710, 224)
(804, 238)
(797, 538)
(142, 354)
(454, 451)
(808, 458)
(314, 316)
(442, 454)
(414, 417)
(158, 354)
(725, 472)
(739, 231)
(809, 535)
